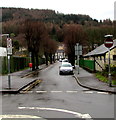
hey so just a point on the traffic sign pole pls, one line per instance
(78, 52)
(9, 80)
(109, 74)
(78, 55)
(109, 44)
(9, 53)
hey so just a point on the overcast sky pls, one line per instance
(97, 9)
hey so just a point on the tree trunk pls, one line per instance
(50, 55)
(33, 60)
(46, 58)
(54, 58)
(37, 61)
(71, 58)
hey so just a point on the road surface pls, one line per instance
(58, 96)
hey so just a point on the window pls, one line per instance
(114, 57)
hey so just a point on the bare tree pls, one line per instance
(28, 36)
(50, 47)
(34, 32)
(73, 33)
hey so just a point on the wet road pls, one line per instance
(58, 96)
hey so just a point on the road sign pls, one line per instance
(9, 43)
(78, 49)
(108, 42)
(78, 52)
(9, 46)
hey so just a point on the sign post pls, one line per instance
(78, 52)
(109, 43)
(9, 53)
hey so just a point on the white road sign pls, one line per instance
(9, 43)
(78, 49)
(9, 46)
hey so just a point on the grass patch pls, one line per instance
(104, 78)
(101, 77)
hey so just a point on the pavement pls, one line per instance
(88, 80)
(20, 80)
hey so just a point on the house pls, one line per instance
(100, 56)
(60, 53)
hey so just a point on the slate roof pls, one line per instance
(100, 50)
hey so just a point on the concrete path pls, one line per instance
(88, 80)
(18, 80)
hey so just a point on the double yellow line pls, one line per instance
(29, 87)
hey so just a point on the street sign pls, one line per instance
(109, 42)
(9, 46)
(9, 43)
(78, 52)
(78, 49)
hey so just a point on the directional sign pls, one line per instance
(78, 49)
(9, 46)
(108, 42)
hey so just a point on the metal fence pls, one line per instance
(88, 64)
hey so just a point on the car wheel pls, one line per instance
(60, 73)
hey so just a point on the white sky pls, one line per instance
(97, 9)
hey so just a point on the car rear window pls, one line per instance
(66, 65)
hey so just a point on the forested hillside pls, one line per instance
(43, 15)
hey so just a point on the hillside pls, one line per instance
(42, 15)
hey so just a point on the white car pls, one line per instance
(65, 60)
(66, 68)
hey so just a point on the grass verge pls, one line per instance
(104, 78)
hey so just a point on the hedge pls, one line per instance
(16, 64)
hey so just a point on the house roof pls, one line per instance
(100, 50)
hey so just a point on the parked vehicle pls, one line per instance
(60, 60)
(65, 60)
(66, 68)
